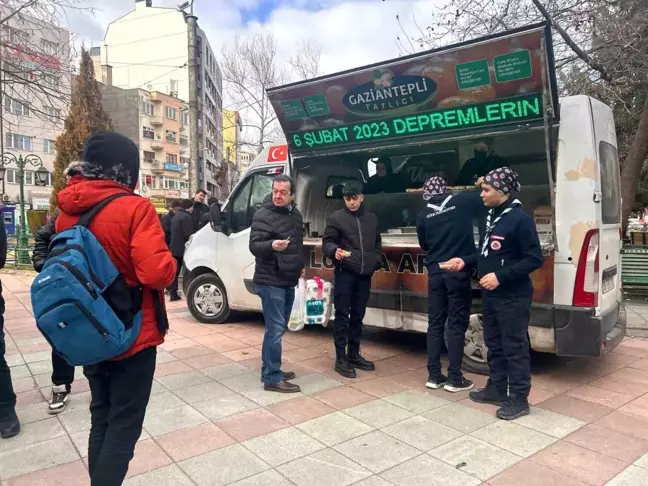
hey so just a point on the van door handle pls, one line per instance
(598, 196)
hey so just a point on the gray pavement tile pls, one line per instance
(247, 382)
(377, 451)
(40, 356)
(80, 441)
(34, 457)
(417, 401)
(631, 476)
(20, 371)
(33, 433)
(161, 423)
(200, 393)
(42, 380)
(225, 371)
(268, 478)
(514, 438)
(78, 421)
(77, 401)
(428, 471)
(265, 398)
(164, 356)
(378, 413)
(163, 401)
(373, 481)
(157, 388)
(283, 446)
(315, 383)
(222, 407)
(550, 423)
(324, 468)
(15, 359)
(40, 367)
(422, 433)
(171, 475)
(183, 380)
(223, 466)
(23, 384)
(475, 457)
(334, 428)
(458, 417)
(642, 461)
(34, 412)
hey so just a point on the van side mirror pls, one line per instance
(215, 217)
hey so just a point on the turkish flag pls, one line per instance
(278, 153)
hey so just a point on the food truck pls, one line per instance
(426, 113)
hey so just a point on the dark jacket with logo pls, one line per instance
(448, 233)
(355, 232)
(181, 230)
(270, 223)
(514, 253)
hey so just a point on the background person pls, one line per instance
(166, 221)
(214, 205)
(199, 208)
(384, 180)
(445, 231)
(509, 252)
(485, 160)
(352, 240)
(277, 243)
(181, 230)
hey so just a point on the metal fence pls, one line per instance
(19, 256)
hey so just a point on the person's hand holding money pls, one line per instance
(341, 254)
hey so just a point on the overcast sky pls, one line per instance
(351, 32)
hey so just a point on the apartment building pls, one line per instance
(35, 91)
(147, 49)
(245, 159)
(159, 126)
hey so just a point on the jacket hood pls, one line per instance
(80, 195)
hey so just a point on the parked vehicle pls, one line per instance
(426, 113)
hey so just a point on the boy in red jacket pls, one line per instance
(129, 230)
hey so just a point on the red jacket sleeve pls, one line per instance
(154, 265)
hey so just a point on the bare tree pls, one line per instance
(306, 63)
(601, 49)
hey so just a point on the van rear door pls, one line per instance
(609, 193)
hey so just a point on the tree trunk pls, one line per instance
(633, 165)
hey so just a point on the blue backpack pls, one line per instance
(81, 303)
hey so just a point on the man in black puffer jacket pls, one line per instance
(276, 241)
(352, 240)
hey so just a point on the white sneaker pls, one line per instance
(58, 400)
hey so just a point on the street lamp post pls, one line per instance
(41, 176)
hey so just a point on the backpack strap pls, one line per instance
(160, 313)
(87, 217)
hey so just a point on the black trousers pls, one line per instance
(449, 299)
(350, 294)
(173, 288)
(7, 395)
(120, 393)
(62, 372)
(506, 326)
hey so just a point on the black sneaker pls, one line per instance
(343, 367)
(360, 363)
(175, 298)
(514, 409)
(455, 387)
(436, 382)
(58, 400)
(490, 394)
(9, 426)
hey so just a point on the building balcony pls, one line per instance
(157, 145)
(157, 167)
(157, 121)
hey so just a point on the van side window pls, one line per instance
(249, 199)
(610, 183)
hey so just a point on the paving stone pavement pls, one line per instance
(209, 422)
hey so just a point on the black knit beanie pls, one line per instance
(111, 156)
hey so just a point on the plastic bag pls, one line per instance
(296, 322)
(318, 302)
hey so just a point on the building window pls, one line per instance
(184, 141)
(16, 107)
(51, 81)
(48, 47)
(171, 136)
(147, 107)
(11, 176)
(172, 159)
(149, 156)
(184, 117)
(29, 177)
(171, 113)
(14, 36)
(49, 146)
(53, 114)
(148, 132)
(184, 160)
(18, 142)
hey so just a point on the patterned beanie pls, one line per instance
(504, 179)
(434, 186)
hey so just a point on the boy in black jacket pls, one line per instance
(352, 240)
(509, 252)
(445, 231)
(181, 230)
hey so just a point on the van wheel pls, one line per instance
(207, 299)
(475, 350)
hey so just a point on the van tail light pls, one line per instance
(586, 288)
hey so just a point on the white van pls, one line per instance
(564, 152)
